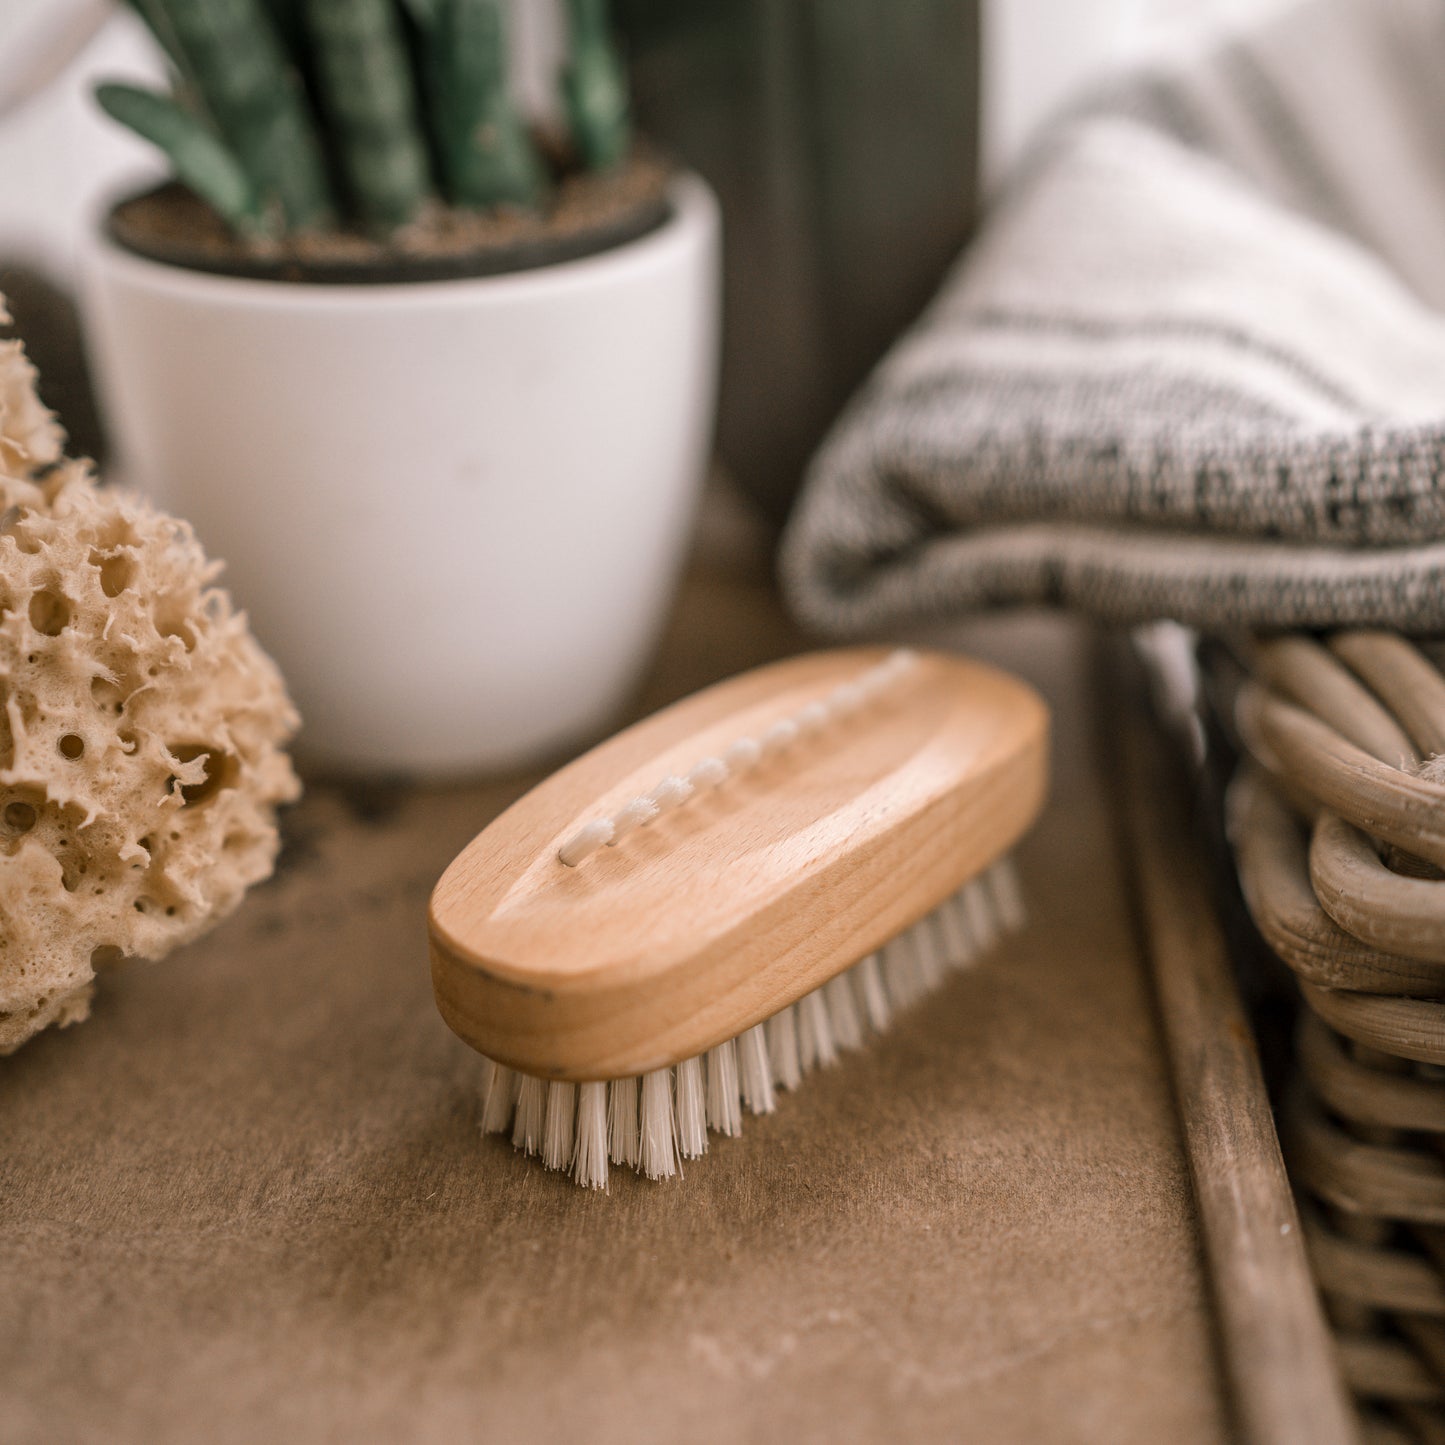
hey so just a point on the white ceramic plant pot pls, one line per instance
(455, 510)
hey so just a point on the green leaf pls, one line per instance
(200, 160)
(363, 73)
(424, 13)
(233, 61)
(594, 87)
(487, 156)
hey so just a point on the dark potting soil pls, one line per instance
(586, 213)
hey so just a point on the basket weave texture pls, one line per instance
(1337, 820)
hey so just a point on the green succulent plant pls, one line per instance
(294, 115)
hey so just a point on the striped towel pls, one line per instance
(1192, 367)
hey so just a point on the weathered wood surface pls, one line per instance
(248, 1199)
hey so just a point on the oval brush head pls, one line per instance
(709, 874)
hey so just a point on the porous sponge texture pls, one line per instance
(142, 729)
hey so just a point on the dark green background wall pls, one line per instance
(842, 137)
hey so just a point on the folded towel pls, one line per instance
(1190, 368)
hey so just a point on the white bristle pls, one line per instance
(782, 734)
(723, 1114)
(691, 1110)
(815, 1035)
(900, 971)
(846, 699)
(622, 1139)
(843, 1012)
(755, 1075)
(669, 793)
(783, 1049)
(531, 1114)
(868, 975)
(978, 906)
(908, 943)
(589, 1167)
(743, 755)
(812, 718)
(633, 816)
(957, 940)
(659, 1153)
(498, 1099)
(586, 841)
(1008, 895)
(654, 1122)
(709, 773)
(557, 1128)
(928, 949)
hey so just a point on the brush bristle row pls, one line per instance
(787, 1068)
(659, 1128)
(590, 1166)
(653, 1123)
(531, 1114)
(815, 1033)
(755, 1073)
(557, 1125)
(624, 1145)
(843, 1018)
(724, 1114)
(873, 992)
(691, 1110)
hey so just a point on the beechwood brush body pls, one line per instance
(709, 904)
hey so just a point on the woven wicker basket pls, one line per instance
(1337, 819)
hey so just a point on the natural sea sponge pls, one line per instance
(141, 728)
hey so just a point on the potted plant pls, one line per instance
(439, 388)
